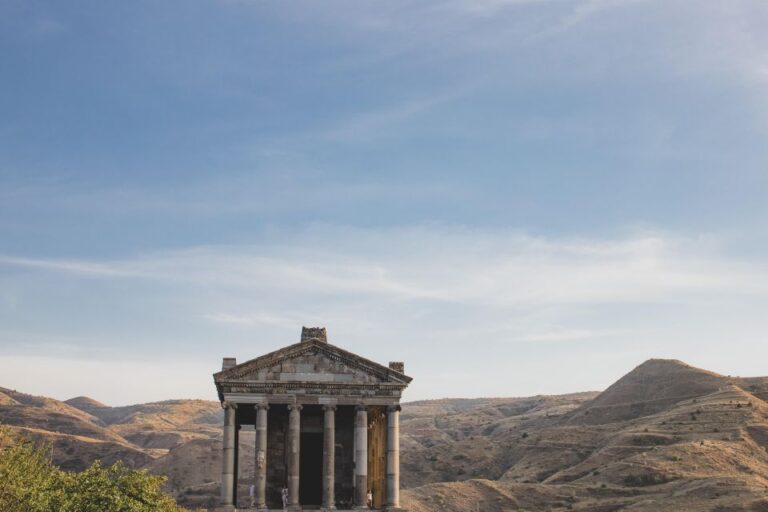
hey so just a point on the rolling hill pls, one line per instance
(665, 437)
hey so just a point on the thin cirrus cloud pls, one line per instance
(495, 268)
(400, 293)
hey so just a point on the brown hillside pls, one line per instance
(169, 414)
(666, 437)
(190, 465)
(479, 442)
(47, 414)
(193, 469)
(651, 387)
(757, 386)
(166, 424)
(78, 452)
(7, 400)
(83, 430)
(48, 404)
(86, 404)
(160, 425)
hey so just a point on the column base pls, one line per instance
(225, 508)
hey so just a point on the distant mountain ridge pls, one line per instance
(665, 437)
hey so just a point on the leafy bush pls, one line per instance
(29, 482)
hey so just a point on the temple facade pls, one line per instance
(327, 428)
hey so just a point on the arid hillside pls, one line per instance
(665, 437)
(82, 430)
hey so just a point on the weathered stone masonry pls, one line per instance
(326, 423)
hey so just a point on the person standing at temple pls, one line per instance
(369, 498)
(284, 494)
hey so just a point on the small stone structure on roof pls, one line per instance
(327, 425)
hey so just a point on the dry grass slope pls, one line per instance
(665, 437)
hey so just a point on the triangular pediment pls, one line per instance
(312, 361)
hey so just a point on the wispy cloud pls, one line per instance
(585, 9)
(492, 268)
(402, 292)
(566, 335)
(84, 268)
(371, 124)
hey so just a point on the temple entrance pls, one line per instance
(311, 469)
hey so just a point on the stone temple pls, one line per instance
(327, 426)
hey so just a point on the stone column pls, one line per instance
(393, 457)
(361, 457)
(294, 454)
(236, 475)
(261, 456)
(228, 456)
(329, 457)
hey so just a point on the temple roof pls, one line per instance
(314, 362)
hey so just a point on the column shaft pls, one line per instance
(393, 456)
(236, 476)
(361, 457)
(261, 456)
(228, 455)
(294, 454)
(329, 458)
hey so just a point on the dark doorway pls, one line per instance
(311, 469)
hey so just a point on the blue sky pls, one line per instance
(513, 196)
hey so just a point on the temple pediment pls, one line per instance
(313, 361)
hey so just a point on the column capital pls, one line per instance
(261, 406)
(228, 405)
(295, 407)
(329, 407)
(361, 407)
(393, 408)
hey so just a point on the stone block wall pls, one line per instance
(313, 367)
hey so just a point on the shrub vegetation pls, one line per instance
(29, 482)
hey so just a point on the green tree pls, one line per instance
(29, 482)
(116, 489)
